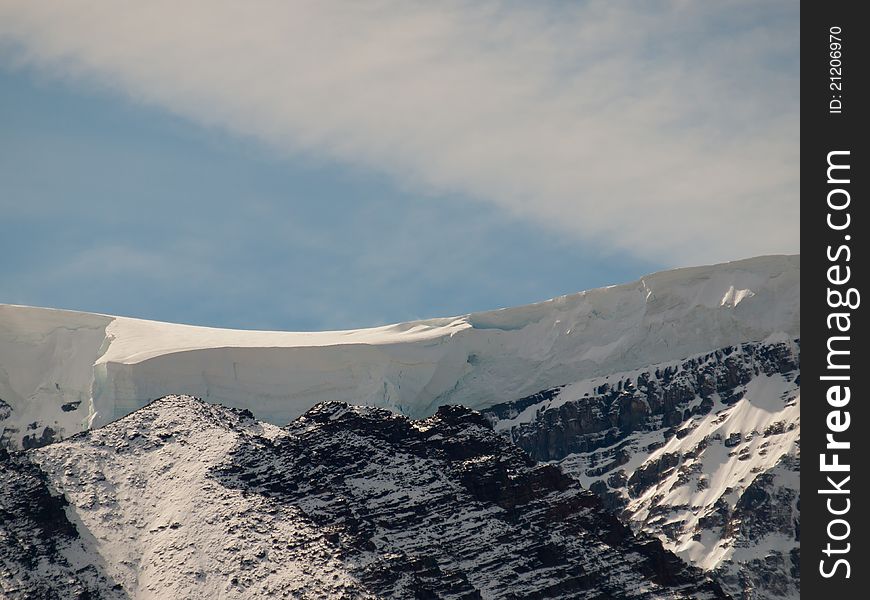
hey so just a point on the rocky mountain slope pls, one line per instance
(702, 452)
(62, 372)
(42, 554)
(675, 398)
(185, 499)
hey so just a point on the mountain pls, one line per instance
(674, 398)
(62, 372)
(186, 499)
(703, 452)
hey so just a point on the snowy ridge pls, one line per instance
(62, 372)
(185, 499)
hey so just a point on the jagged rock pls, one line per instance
(187, 499)
(41, 553)
(667, 399)
(37, 441)
(702, 474)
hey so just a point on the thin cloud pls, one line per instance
(670, 131)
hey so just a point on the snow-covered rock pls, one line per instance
(42, 554)
(703, 452)
(185, 499)
(62, 372)
(675, 398)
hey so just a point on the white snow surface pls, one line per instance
(72, 370)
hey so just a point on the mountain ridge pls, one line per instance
(703, 453)
(185, 498)
(631, 390)
(67, 371)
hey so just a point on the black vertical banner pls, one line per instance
(835, 419)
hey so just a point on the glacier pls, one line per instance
(62, 372)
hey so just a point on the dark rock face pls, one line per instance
(38, 544)
(38, 441)
(703, 453)
(769, 506)
(509, 410)
(662, 399)
(188, 499)
(447, 508)
(5, 409)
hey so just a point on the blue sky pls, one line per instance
(125, 210)
(214, 177)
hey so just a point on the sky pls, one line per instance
(323, 165)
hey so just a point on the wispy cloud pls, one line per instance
(669, 130)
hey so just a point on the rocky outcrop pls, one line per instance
(703, 453)
(41, 553)
(440, 481)
(660, 399)
(195, 500)
(769, 509)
